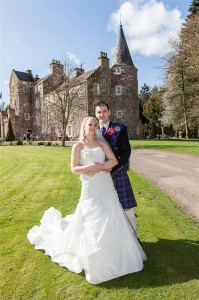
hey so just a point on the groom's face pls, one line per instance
(103, 114)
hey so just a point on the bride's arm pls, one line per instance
(111, 159)
(76, 167)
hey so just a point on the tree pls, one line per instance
(2, 105)
(144, 95)
(153, 108)
(190, 37)
(194, 7)
(66, 98)
(181, 98)
(10, 134)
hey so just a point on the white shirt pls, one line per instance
(105, 125)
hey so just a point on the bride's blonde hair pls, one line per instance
(82, 136)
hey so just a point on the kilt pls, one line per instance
(124, 188)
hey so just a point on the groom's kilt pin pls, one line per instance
(124, 189)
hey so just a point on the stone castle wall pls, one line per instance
(35, 99)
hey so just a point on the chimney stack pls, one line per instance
(36, 78)
(78, 72)
(56, 67)
(103, 60)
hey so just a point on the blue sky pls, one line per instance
(33, 32)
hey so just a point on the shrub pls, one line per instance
(10, 134)
(48, 144)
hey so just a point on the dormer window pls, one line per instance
(118, 70)
(96, 89)
(118, 90)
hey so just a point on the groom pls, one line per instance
(116, 135)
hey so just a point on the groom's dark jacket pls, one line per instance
(117, 136)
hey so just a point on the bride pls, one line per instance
(97, 238)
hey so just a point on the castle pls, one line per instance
(31, 97)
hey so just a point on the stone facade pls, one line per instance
(32, 99)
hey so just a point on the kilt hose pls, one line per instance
(124, 188)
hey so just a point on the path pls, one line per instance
(176, 174)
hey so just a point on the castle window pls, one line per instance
(36, 88)
(27, 116)
(37, 103)
(38, 119)
(119, 114)
(96, 89)
(118, 90)
(118, 70)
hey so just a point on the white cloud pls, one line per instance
(5, 82)
(147, 24)
(73, 58)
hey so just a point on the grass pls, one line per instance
(179, 146)
(33, 178)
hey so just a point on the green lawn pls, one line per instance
(33, 178)
(180, 146)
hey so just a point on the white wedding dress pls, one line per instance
(97, 238)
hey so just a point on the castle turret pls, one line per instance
(121, 54)
(124, 106)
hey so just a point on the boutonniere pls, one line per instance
(117, 128)
(110, 131)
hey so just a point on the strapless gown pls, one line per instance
(97, 238)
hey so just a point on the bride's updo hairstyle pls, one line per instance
(82, 136)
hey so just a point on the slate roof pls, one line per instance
(24, 76)
(81, 78)
(121, 54)
(42, 79)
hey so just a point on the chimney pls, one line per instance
(29, 72)
(56, 67)
(103, 60)
(78, 72)
(36, 78)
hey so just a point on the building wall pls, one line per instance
(36, 98)
(124, 107)
(80, 108)
(102, 77)
(20, 103)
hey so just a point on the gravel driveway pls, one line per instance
(176, 174)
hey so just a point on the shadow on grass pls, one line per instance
(169, 262)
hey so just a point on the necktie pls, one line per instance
(103, 130)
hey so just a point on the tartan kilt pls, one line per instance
(124, 188)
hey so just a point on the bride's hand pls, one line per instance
(105, 169)
(94, 169)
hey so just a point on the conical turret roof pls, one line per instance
(121, 54)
